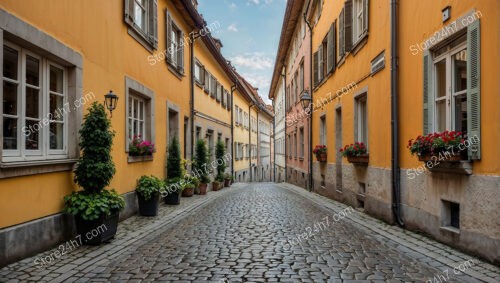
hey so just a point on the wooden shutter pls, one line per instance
(366, 15)
(474, 89)
(153, 23)
(348, 25)
(321, 60)
(330, 52)
(180, 54)
(333, 48)
(207, 81)
(315, 68)
(341, 34)
(168, 36)
(128, 8)
(428, 94)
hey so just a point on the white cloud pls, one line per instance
(232, 27)
(256, 61)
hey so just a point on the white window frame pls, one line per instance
(450, 96)
(361, 104)
(131, 119)
(143, 7)
(358, 18)
(322, 130)
(43, 152)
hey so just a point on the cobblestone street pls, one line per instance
(258, 232)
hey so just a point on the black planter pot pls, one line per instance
(173, 198)
(95, 232)
(148, 207)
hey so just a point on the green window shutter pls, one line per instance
(153, 23)
(168, 36)
(330, 49)
(474, 90)
(428, 94)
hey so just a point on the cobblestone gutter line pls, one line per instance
(131, 232)
(428, 251)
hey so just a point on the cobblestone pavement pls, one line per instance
(258, 232)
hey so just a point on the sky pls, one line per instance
(250, 32)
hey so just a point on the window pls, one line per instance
(199, 73)
(295, 144)
(360, 19)
(32, 131)
(142, 19)
(207, 81)
(218, 90)
(345, 30)
(450, 214)
(361, 130)
(452, 87)
(301, 76)
(237, 116)
(301, 136)
(322, 130)
(175, 45)
(140, 110)
(210, 138)
(198, 133)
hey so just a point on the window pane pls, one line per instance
(56, 79)
(135, 128)
(32, 135)
(56, 107)
(441, 115)
(32, 71)
(32, 102)
(130, 106)
(141, 110)
(9, 98)
(10, 58)
(141, 129)
(135, 114)
(130, 133)
(56, 135)
(139, 16)
(441, 78)
(461, 113)
(9, 133)
(460, 71)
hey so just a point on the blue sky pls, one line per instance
(250, 31)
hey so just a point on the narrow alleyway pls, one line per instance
(258, 232)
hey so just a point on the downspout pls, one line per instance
(233, 88)
(312, 92)
(250, 140)
(191, 99)
(274, 145)
(286, 111)
(395, 166)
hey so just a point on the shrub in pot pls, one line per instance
(200, 166)
(174, 188)
(94, 208)
(191, 183)
(148, 194)
(175, 182)
(227, 180)
(220, 151)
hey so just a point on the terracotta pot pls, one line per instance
(203, 188)
(359, 160)
(322, 157)
(440, 157)
(188, 192)
(215, 186)
(227, 183)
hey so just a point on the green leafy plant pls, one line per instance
(228, 176)
(140, 147)
(149, 186)
(200, 162)
(353, 150)
(220, 151)
(94, 169)
(174, 169)
(436, 143)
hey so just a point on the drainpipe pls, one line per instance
(286, 111)
(250, 141)
(233, 88)
(258, 142)
(395, 166)
(194, 35)
(274, 152)
(312, 92)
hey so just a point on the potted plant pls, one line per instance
(199, 166)
(94, 207)
(216, 185)
(445, 146)
(191, 184)
(321, 153)
(356, 153)
(227, 180)
(220, 151)
(175, 182)
(148, 194)
(140, 147)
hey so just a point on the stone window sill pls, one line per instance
(175, 70)
(450, 229)
(25, 168)
(462, 167)
(134, 159)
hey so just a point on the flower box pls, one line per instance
(321, 157)
(441, 157)
(321, 153)
(359, 160)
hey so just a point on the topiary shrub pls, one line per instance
(220, 151)
(200, 162)
(174, 169)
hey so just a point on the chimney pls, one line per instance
(195, 4)
(218, 43)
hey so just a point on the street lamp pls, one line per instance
(110, 101)
(305, 99)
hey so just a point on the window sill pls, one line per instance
(462, 167)
(25, 168)
(450, 229)
(134, 159)
(359, 44)
(139, 37)
(174, 70)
